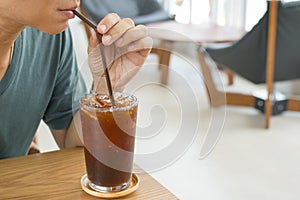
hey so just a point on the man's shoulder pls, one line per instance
(37, 42)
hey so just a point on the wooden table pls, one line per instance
(169, 32)
(56, 175)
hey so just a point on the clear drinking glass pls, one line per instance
(109, 138)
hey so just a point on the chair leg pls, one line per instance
(228, 73)
(219, 98)
(268, 112)
(155, 51)
(164, 59)
(34, 147)
(293, 104)
(229, 76)
(270, 60)
(240, 99)
(216, 98)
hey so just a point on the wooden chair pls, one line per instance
(267, 53)
(34, 148)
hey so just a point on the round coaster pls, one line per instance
(135, 181)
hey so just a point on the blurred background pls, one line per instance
(249, 161)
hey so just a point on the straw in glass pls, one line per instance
(99, 36)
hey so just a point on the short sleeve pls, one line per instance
(68, 88)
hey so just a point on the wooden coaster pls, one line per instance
(135, 181)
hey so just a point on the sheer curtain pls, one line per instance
(188, 11)
(229, 12)
(237, 13)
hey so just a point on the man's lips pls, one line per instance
(68, 13)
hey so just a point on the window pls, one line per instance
(241, 13)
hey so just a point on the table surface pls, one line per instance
(56, 175)
(199, 33)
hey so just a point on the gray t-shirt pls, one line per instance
(42, 82)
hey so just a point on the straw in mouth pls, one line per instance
(99, 37)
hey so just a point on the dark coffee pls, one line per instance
(109, 137)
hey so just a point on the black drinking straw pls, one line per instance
(99, 36)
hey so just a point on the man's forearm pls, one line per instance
(74, 134)
(70, 137)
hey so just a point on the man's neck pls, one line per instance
(9, 31)
(5, 58)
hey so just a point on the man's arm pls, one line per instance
(133, 44)
(70, 137)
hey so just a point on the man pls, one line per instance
(38, 69)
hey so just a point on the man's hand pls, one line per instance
(126, 48)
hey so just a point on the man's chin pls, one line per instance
(54, 30)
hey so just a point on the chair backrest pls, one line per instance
(247, 57)
(141, 11)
